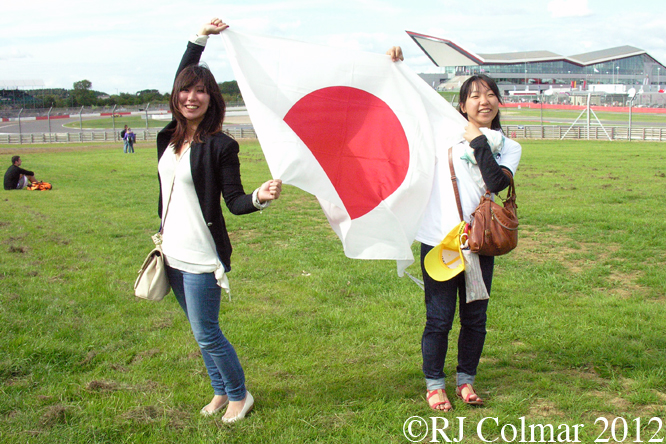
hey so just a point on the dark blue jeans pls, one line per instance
(199, 297)
(440, 301)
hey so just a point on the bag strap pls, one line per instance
(166, 210)
(454, 179)
(511, 190)
(173, 180)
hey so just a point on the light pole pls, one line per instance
(526, 79)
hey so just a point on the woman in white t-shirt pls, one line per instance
(198, 163)
(477, 168)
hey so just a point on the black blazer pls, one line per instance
(215, 172)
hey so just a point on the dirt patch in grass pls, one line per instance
(54, 415)
(119, 368)
(102, 386)
(176, 419)
(545, 409)
(89, 357)
(145, 355)
(161, 324)
(557, 245)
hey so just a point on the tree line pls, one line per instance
(82, 94)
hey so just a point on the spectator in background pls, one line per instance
(122, 136)
(130, 139)
(16, 178)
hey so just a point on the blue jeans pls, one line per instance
(199, 296)
(440, 301)
(125, 146)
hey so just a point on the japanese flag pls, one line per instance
(355, 129)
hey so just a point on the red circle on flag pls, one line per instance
(358, 141)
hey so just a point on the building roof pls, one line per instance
(445, 52)
(521, 57)
(606, 55)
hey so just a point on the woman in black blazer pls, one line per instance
(198, 163)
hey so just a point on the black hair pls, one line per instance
(212, 121)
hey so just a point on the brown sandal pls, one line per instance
(442, 399)
(467, 399)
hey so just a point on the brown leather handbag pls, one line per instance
(493, 227)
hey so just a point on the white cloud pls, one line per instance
(568, 8)
(130, 45)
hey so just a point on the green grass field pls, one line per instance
(134, 122)
(510, 116)
(330, 345)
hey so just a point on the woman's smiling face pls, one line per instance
(481, 106)
(193, 102)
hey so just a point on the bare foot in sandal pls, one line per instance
(438, 400)
(468, 395)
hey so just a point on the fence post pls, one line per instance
(147, 106)
(49, 117)
(20, 132)
(113, 118)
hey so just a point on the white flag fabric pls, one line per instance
(355, 129)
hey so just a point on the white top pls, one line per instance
(441, 213)
(186, 240)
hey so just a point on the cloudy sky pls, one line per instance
(126, 46)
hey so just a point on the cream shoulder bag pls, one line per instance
(153, 283)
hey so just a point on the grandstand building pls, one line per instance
(610, 71)
(15, 92)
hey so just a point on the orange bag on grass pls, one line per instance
(39, 186)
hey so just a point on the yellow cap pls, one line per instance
(445, 260)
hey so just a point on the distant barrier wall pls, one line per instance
(610, 109)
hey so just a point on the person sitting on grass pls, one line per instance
(16, 178)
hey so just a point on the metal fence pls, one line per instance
(105, 136)
(9, 113)
(580, 132)
(576, 132)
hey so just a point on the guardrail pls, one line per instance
(577, 132)
(105, 136)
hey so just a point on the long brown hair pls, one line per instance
(467, 88)
(212, 121)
